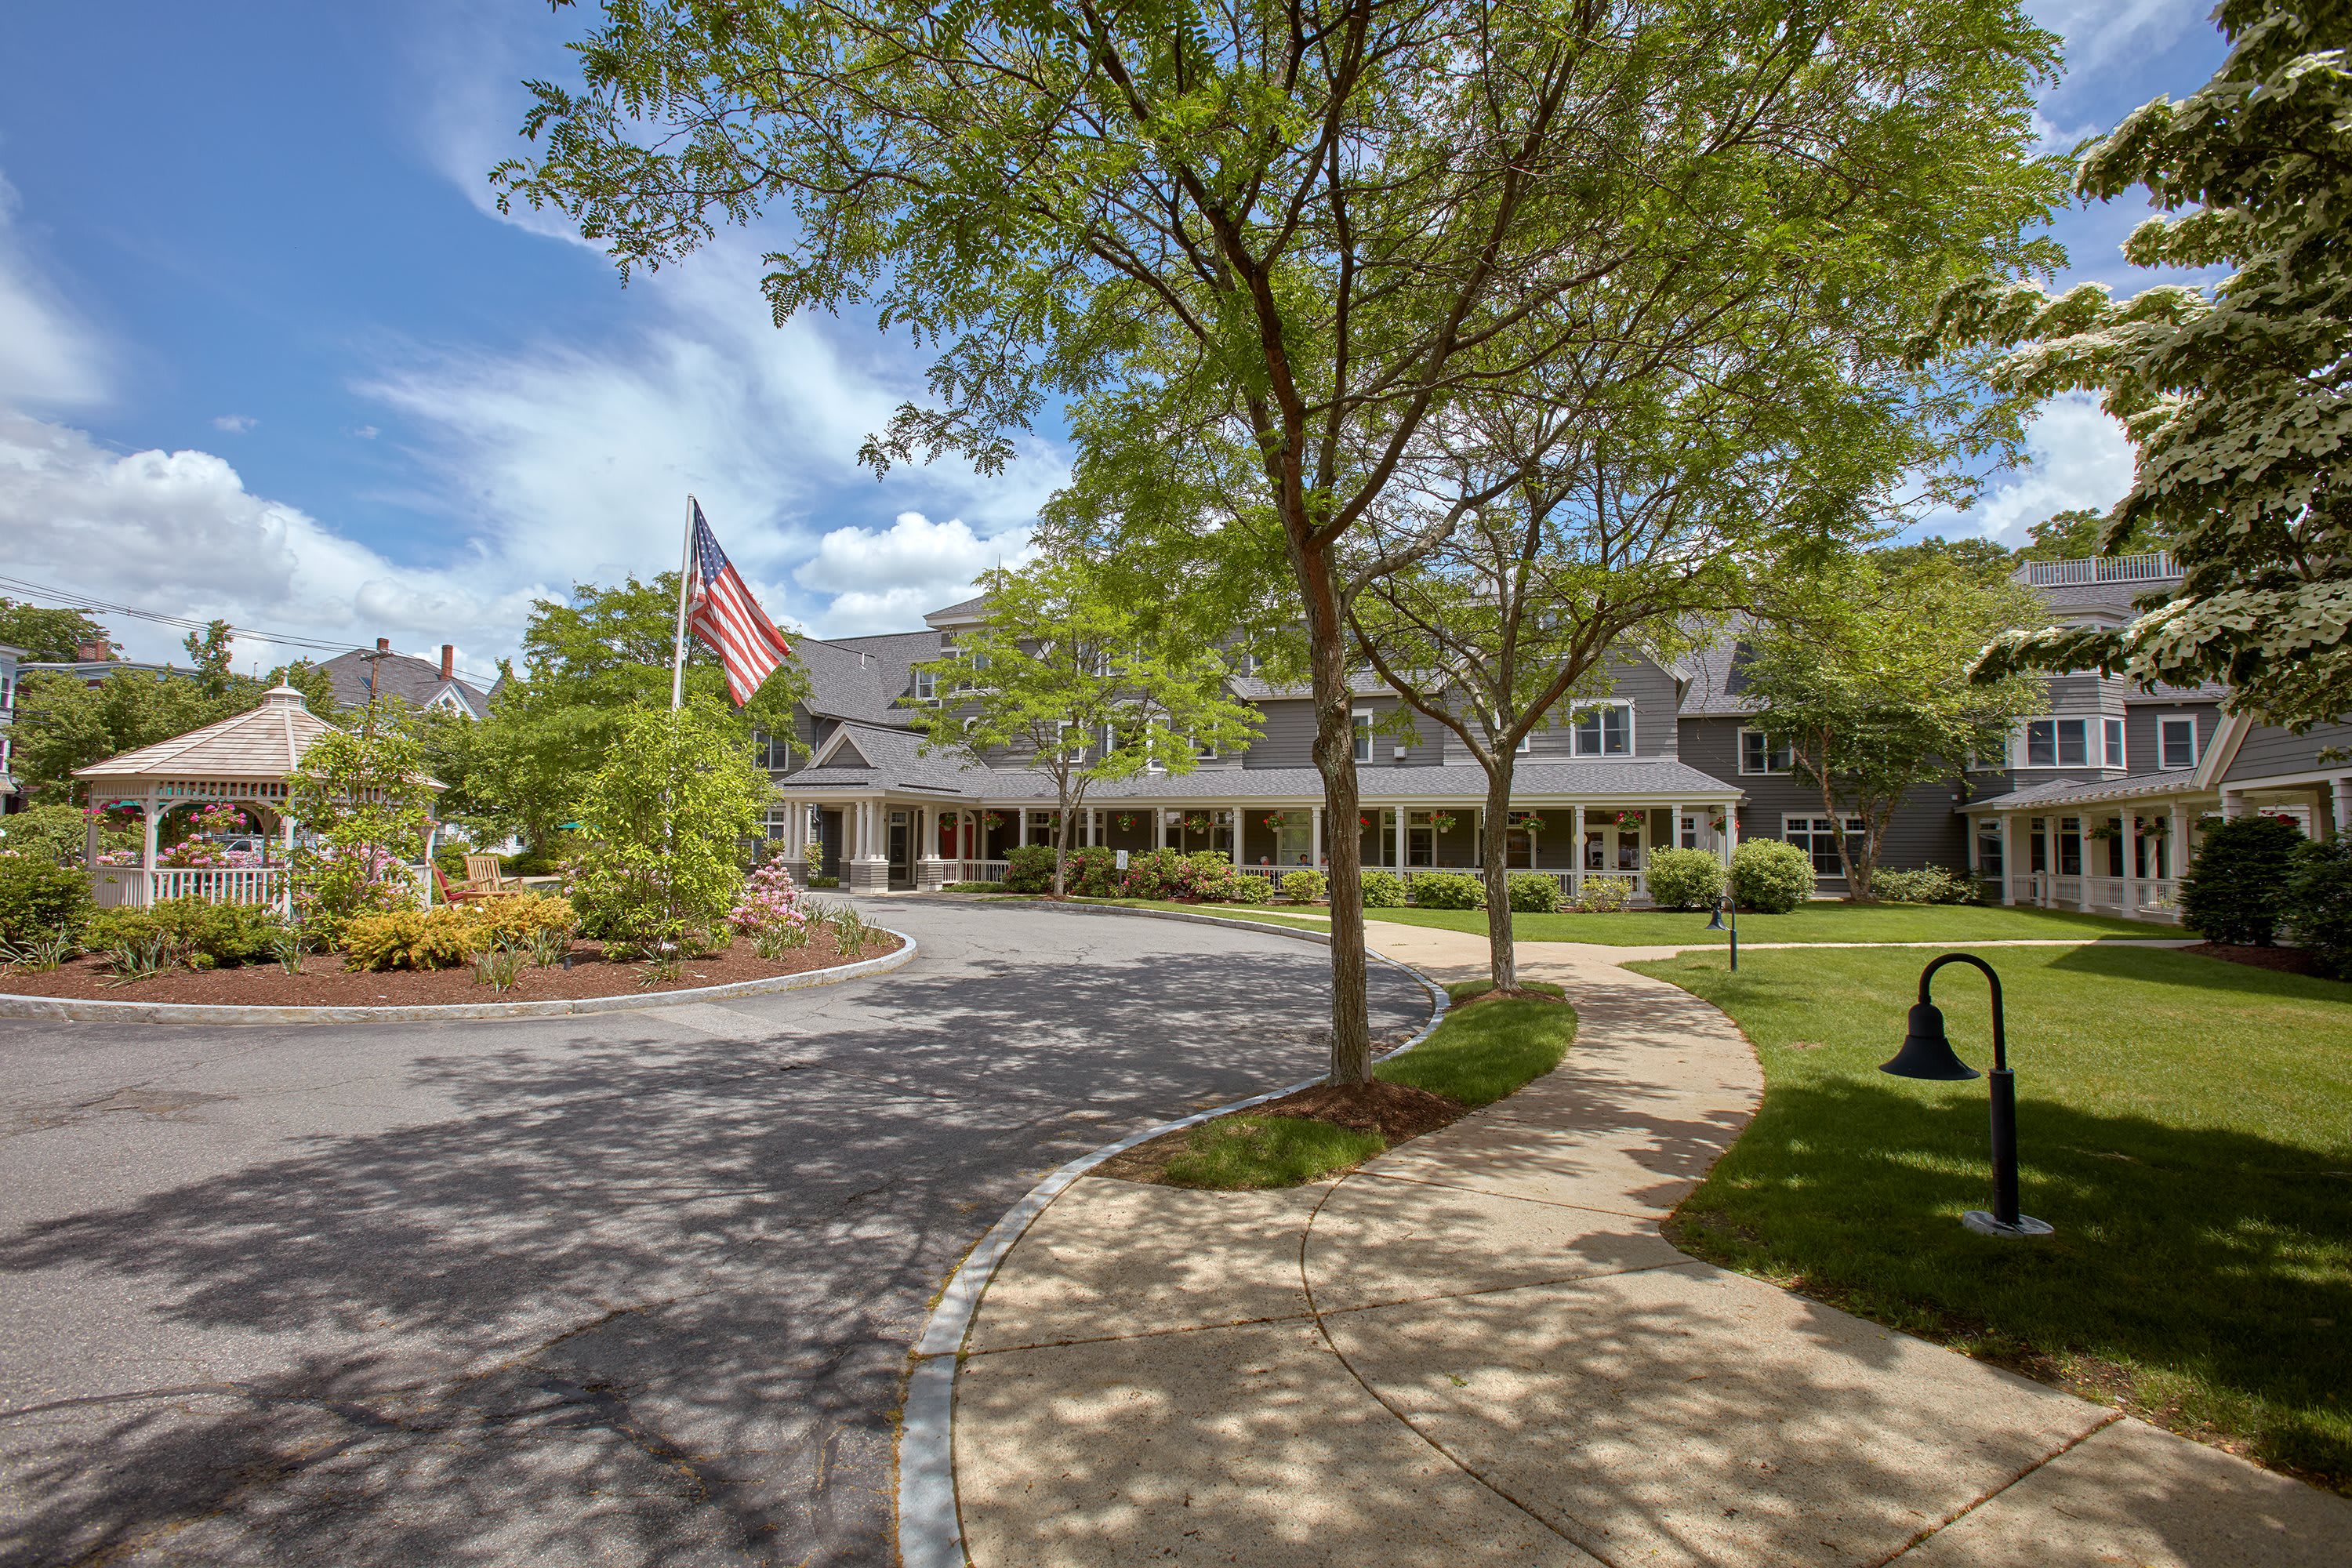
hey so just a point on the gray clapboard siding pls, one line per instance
(1925, 829)
(2268, 751)
(2143, 748)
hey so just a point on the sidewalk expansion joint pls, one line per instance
(1965, 1509)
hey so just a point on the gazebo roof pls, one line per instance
(262, 742)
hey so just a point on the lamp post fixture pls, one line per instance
(1927, 1053)
(1726, 901)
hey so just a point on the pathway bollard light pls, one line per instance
(1927, 1053)
(1725, 902)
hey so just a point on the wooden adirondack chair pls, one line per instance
(482, 875)
(457, 893)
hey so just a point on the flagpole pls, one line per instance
(677, 650)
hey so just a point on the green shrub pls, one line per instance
(40, 898)
(518, 919)
(2236, 887)
(450, 861)
(1533, 893)
(2318, 905)
(202, 935)
(444, 937)
(1771, 878)
(1605, 895)
(1684, 879)
(1029, 868)
(1154, 874)
(1215, 878)
(1928, 885)
(1092, 873)
(1303, 887)
(1448, 891)
(1383, 890)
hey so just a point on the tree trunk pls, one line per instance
(1061, 840)
(1335, 758)
(1494, 839)
(1857, 880)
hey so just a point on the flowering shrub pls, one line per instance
(769, 900)
(202, 854)
(1605, 895)
(1170, 874)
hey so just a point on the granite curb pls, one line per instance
(930, 1529)
(81, 1010)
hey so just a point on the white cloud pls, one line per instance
(887, 579)
(46, 356)
(367, 432)
(2079, 457)
(178, 533)
(2100, 31)
(235, 424)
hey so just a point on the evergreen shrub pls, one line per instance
(2236, 889)
(200, 934)
(1448, 891)
(1028, 868)
(1684, 879)
(1383, 890)
(1771, 878)
(1303, 887)
(2318, 913)
(1928, 885)
(40, 898)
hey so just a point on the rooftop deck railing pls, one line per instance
(2150, 568)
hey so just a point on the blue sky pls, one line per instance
(268, 351)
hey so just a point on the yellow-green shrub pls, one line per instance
(441, 937)
(515, 919)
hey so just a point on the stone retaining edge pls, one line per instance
(82, 1010)
(930, 1525)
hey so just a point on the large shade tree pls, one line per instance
(1864, 679)
(1300, 226)
(2235, 394)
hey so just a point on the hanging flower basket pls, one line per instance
(1273, 820)
(1443, 822)
(991, 819)
(1125, 820)
(1631, 818)
(2105, 831)
(1526, 821)
(1363, 823)
(1198, 822)
(2152, 826)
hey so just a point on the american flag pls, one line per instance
(722, 613)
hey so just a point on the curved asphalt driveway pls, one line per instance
(634, 1287)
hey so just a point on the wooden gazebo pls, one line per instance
(243, 760)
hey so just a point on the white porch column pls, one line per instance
(2130, 826)
(1404, 816)
(2082, 883)
(2233, 802)
(150, 820)
(2009, 857)
(1730, 832)
(2339, 799)
(1316, 832)
(1673, 827)
(2178, 863)
(1576, 851)
(1023, 833)
(1237, 838)
(1159, 828)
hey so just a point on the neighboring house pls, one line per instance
(9, 793)
(353, 677)
(92, 665)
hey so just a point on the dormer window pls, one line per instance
(927, 686)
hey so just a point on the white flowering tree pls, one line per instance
(2235, 395)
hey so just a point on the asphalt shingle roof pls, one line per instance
(413, 680)
(893, 763)
(262, 742)
(2084, 792)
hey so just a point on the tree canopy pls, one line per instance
(49, 636)
(2234, 394)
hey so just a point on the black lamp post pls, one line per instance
(1927, 1053)
(1725, 902)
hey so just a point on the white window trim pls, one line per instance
(2168, 721)
(1360, 725)
(1854, 828)
(1767, 770)
(1632, 742)
(2118, 753)
(2091, 732)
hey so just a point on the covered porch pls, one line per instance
(886, 839)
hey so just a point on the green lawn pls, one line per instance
(1481, 1052)
(1812, 923)
(2185, 1123)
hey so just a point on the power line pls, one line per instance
(82, 602)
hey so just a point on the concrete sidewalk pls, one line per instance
(1479, 1347)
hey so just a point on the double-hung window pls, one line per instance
(2176, 740)
(1603, 730)
(1363, 736)
(927, 686)
(1758, 754)
(1818, 838)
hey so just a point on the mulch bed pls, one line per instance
(325, 983)
(2285, 960)
(1396, 1112)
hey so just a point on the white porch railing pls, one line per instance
(117, 887)
(978, 871)
(2134, 897)
(2149, 568)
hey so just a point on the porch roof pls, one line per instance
(2136, 787)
